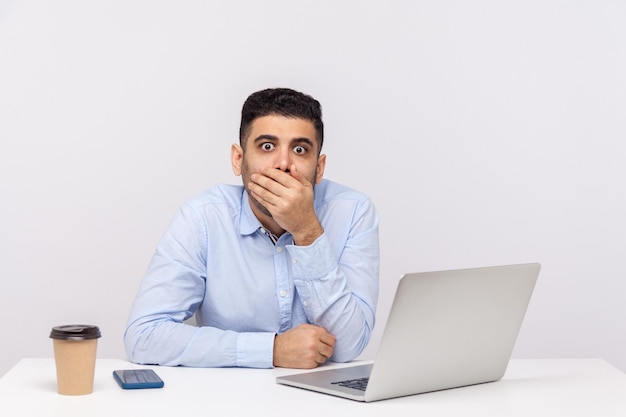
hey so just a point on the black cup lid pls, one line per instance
(75, 332)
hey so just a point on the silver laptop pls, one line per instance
(446, 329)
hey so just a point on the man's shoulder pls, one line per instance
(330, 190)
(220, 194)
(334, 200)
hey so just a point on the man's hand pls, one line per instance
(305, 347)
(289, 198)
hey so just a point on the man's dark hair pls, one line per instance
(281, 102)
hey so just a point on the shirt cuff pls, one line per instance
(314, 261)
(255, 350)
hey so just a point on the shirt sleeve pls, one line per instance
(338, 281)
(170, 292)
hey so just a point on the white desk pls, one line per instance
(547, 387)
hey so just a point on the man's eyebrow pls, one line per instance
(306, 141)
(265, 137)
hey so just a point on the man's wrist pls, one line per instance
(308, 236)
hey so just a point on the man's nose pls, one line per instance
(283, 160)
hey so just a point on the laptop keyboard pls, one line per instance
(360, 383)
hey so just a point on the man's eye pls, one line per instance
(299, 149)
(267, 146)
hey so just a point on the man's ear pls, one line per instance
(236, 158)
(321, 165)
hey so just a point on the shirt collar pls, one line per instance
(248, 223)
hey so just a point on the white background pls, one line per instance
(486, 132)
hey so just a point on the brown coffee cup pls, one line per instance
(75, 348)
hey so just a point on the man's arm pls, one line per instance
(339, 292)
(171, 290)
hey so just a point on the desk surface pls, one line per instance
(544, 387)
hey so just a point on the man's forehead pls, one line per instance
(278, 127)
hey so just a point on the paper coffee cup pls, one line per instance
(75, 357)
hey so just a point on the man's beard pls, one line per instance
(260, 206)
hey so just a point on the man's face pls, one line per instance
(279, 142)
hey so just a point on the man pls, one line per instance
(282, 271)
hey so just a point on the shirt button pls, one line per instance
(305, 304)
(279, 249)
(294, 261)
(283, 293)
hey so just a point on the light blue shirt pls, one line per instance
(216, 262)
